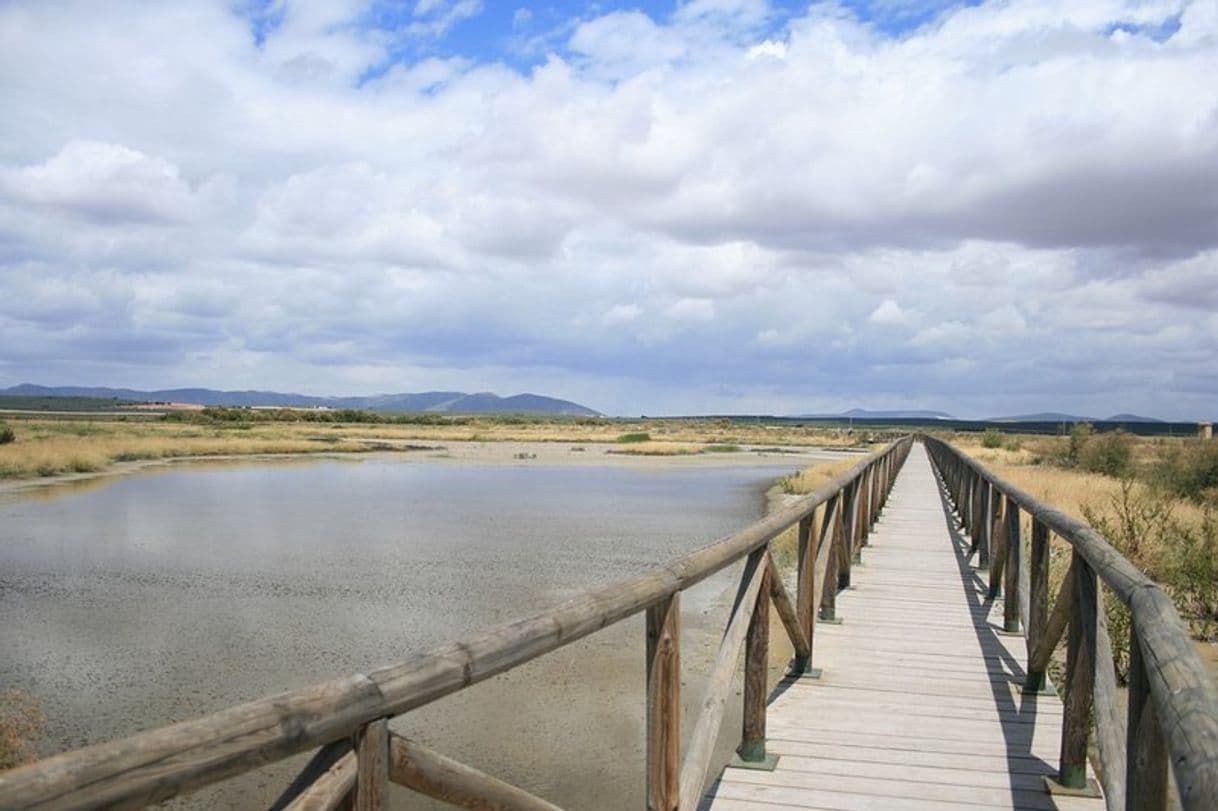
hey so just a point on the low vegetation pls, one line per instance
(638, 436)
(1154, 499)
(21, 724)
(7, 434)
(799, 484)
(45, 446)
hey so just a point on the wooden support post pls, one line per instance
(1038, 602)
(997, 544)
(664, 704)
(848, 527)
(864, 516)
(433, 775)
(1014, 569)
(372, 764)
(805, 608)
(984, 524)
(1080, 673)
(751, 751)
(832, 578)
(1145, 752)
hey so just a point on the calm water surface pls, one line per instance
(160, 597)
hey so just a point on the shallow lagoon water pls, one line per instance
(163, 596)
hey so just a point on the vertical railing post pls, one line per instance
(997, 540)
(1010, 609)
(1080, 674)
(1013, 569)
(756, 667)
(1145, 750)
(864, 519)
(1038, 600)
(849, 534)
(664, 704)
(835, 521)
(805, 589)
(985, 524)
(372, 765)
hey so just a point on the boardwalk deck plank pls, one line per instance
(919, 705)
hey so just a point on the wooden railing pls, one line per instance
(348, 717)
(1172, 705)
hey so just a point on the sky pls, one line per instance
(704, 206)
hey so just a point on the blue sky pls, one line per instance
(521, 34)
(710, 206)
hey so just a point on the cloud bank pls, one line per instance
(725, 207)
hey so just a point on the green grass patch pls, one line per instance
(721, 448)
(638, 436)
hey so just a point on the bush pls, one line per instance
(992, 438)
(6, 434)
(1190, 470)
(1110, 454)
(1080, 433)
(635, 437)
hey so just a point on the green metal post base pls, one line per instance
(828, 618)
(1011, 630)
(1085, 786)
(995, 592)
(753, 756)
(1038, 686)
(801, 668)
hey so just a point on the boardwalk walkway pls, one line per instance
(919, 704)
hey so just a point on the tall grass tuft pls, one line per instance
(7, 434)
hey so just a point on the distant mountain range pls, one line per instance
(864, 414)
(914, 414)
(1054, 416)
(447, 402)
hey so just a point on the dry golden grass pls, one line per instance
(21, 723)
(50, 447)
(1171, 540)
(658, 448)
(783, 548)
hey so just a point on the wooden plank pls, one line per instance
(786, 610)
(428, 772)
(706, 731)
(663, 704)
(756, 671)
(372, 765)
(922, 707)
(331, 790)
(320, 764)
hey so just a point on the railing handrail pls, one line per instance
(1181, 693)
(155, 765)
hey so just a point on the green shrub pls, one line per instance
(992, 438)
(6, 434)
(1110, 454)
(722, 448)
(1080, 433)
(1190, 470)
(635, 437)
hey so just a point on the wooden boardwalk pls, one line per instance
(919, 705)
